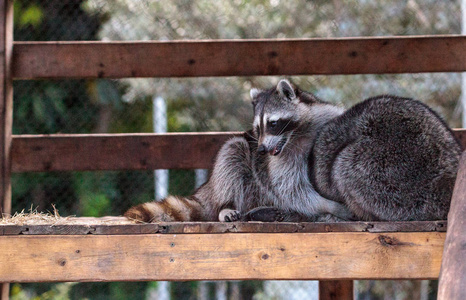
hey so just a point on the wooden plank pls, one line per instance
(91, 152)
(373, 55)
(122, 226)
(6, 113)
(39, 153)
(298, 256)
(452, 283)
(336, 290)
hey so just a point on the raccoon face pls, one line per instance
(275, 117)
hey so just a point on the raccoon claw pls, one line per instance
(265, 214)
(229, 215)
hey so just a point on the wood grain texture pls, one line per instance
(452, 284)
(91, 152)
(460, 134)
(336, 290)
(6, 103)
(83, 226)
(299, 256)
(40, 153)
(6, 113)
(5, 291)
(375, 55)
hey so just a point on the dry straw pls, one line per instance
(33, 217)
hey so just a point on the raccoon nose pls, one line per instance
(262, 150)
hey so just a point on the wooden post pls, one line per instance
(6, 112)
(452, 285)
(336, 290)
(6, 103)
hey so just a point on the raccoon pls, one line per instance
(263, 175)
(387, 158)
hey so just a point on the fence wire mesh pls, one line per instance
(207, 104)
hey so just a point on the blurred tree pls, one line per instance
(203, 19)
(68, 106)
(43, 107)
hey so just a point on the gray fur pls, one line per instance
(280, 181)
(272, 185)
(387, 158)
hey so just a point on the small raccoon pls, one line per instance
(264, 174)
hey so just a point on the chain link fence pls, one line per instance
(200, 104)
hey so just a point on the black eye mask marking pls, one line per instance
(280, 126)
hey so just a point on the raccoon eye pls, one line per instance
(273, 124)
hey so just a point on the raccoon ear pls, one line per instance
(286, 90)
(254, 92)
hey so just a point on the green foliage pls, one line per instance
(92, 189)
(58, 291)
(183, 290)
(94, 204)
(106, 291)
(29, 14)
(32, 15)
(181, 182)
(40, 189)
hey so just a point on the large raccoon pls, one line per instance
(264, 174)
(386, 158)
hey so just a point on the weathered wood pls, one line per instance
(5, 291)
(6, 113)
(452, 285)
(78, 226)
(460, 134)
(116, 151)
(6, 103)
(86, 152)
(336, 290)
(299, 256)
(374, 55)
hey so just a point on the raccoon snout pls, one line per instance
(262, 149)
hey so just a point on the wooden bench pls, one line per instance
(98, 251)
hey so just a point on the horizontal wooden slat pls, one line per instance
(221, 257)
(375, 55)
(115, 151)
(121, 225)
(76, 152)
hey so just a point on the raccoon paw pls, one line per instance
(229, 215)
(265, 214)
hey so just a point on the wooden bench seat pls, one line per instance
(113, 249)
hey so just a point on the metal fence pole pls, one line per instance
(159, 113)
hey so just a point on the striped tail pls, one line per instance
(170, 209)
